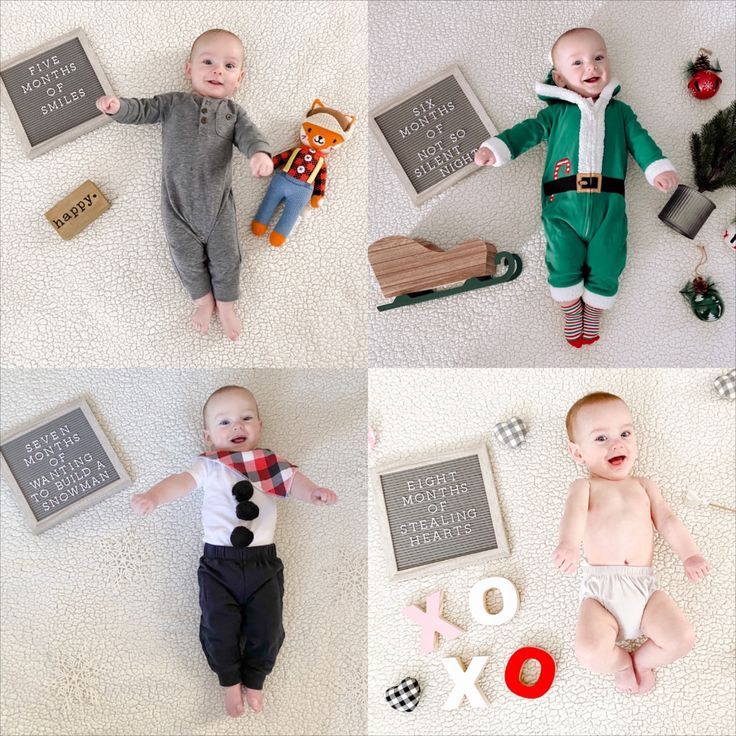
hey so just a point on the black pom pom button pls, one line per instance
(243, 490)
(241, 537)
(247, 510)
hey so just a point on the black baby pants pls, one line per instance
(240, 594)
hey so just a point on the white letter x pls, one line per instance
(465, 682)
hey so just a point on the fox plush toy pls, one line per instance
(300, 174)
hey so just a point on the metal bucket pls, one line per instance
(686, 211)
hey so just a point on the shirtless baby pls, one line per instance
(612, 513)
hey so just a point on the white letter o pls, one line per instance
(477, 601)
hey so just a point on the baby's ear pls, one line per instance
(206, 438)
(559, 80)
(575, 454)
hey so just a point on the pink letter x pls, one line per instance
(431, 622)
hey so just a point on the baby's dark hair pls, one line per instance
(222, 390)
(597, 397)
(213, 32)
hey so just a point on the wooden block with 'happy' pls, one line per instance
(70, 216)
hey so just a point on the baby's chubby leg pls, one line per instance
(595, 646)
(670, 636)
(223, 251)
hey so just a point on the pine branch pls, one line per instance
(713, 151)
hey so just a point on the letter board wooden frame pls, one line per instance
(425, 149)
(428, 522)
(76, 118)
(60, 467)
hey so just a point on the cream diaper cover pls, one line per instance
(622, 590)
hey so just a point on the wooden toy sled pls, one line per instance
(412, 269)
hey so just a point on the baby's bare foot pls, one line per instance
(625, 681)
(203, 313)
(234, 700)
(254, 698)
(229, 319)
(646, 680)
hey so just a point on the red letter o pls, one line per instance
(513, 672)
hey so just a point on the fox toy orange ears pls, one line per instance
(326, 128)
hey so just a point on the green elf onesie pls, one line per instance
(583, 206)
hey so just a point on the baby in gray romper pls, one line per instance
(198, 211)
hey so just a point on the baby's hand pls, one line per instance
(696, 567)
(323, 497)
(484, 157)
(566, 558)
(261, 164)
(142, 504)
(666, 180)
(109, 104)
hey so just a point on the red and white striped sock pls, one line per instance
(591, 324)
(573, 322)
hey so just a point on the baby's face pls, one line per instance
(581, 63)
(232, 422)
(216, 66)
(603, 439)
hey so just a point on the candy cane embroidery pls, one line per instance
(562, 162)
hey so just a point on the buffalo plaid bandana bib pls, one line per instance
(264, 469)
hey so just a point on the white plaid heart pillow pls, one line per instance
(726, 384)
(512, 432)
(404, 696)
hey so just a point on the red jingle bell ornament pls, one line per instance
(704, 84)
(704, 81)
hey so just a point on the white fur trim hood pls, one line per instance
(592, 121)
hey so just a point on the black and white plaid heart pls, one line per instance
(404, 696)
(512, 432)
(726, 384)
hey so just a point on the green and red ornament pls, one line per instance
(701, 294)
(703, 75)
(703, 298)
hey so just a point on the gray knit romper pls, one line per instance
(197, 204)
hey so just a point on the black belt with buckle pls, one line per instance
(585, 183)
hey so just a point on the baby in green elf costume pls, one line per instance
(589, 136)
